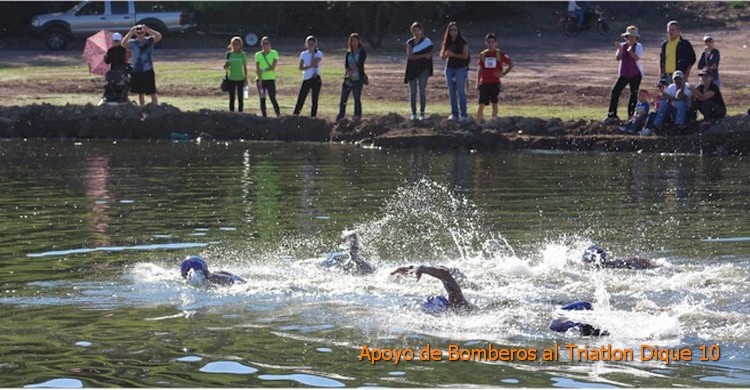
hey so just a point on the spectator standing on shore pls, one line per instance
(675, 102)
(116, 55)
(354, 76)
(265, 68)
(418, 68)
(708, 98)
(629, 54)
(676, 53)
(710, 58)
(456, 51)
(142, 79)
(491, 63)
(236, 67)
(309, 64)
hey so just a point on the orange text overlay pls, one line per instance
(573, 352)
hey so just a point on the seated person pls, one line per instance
(638, 120)
(116, 55)
(647, 129)
(355, 264)
(439, 304)
(596, 256)
(561, 323)
(675, 103)
(708, 98)
(195, 269)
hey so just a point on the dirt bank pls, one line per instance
(731, 136)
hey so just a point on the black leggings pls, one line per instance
(268, 87)
(635, 83)
(236, 86)
(314, 83)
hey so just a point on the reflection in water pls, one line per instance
(257, 207)
(97, 190)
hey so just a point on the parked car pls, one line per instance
(88, 17)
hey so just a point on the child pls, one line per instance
(491, 62)
(640, 115)
(662, 85)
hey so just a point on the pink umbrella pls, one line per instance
(94, 51)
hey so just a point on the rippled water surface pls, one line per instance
(92, 234)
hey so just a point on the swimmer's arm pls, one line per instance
(402, 270)
(455, 296)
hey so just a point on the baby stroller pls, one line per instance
(117, 83)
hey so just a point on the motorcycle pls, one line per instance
(592, 18)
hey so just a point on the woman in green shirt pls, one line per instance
(265, 66)
(236, 67)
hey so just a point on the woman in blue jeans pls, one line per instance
(354, 77)
(456, 51)
(418, 68)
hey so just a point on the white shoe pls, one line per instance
(452, 118)
(646, 132)
(421, 117)
(464, 119)
(412, 117)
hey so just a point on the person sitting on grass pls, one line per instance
(642, 108)
(439, 304)
(648, 127)
(675, 103)
(708, 98)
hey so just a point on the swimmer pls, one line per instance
(438, 304)
(596, 256)
(561, 323)
(195, 270)
(355, 264)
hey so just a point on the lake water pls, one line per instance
(92, 236)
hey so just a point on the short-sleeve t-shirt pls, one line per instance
(265, 62)
(490, 66)
(141, 51)
(672, 90)
(237, 62)
(307, 58)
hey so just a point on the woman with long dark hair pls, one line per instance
(456, 51)
(354, 78)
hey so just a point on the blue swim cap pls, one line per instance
(194, 263)
(563, 324)
(435, 305)
(594, 254)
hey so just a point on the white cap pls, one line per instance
(116, 37)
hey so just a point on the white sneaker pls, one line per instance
(464, 119)
(412, 117)
(421, 117)
(646, 132)
(452, 118)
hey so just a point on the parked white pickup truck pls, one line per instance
(88, 17)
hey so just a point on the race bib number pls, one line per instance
(490, 62)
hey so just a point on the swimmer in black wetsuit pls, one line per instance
(562, 323)
(355, 264)
(597, 257)
(438, 304)
(196, 270)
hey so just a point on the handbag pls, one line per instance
(225, 82)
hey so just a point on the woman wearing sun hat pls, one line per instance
(629, 53)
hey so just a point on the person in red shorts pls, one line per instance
(493, 64)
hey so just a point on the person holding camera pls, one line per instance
(354, 78)
(142, 79)
(629, 54)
